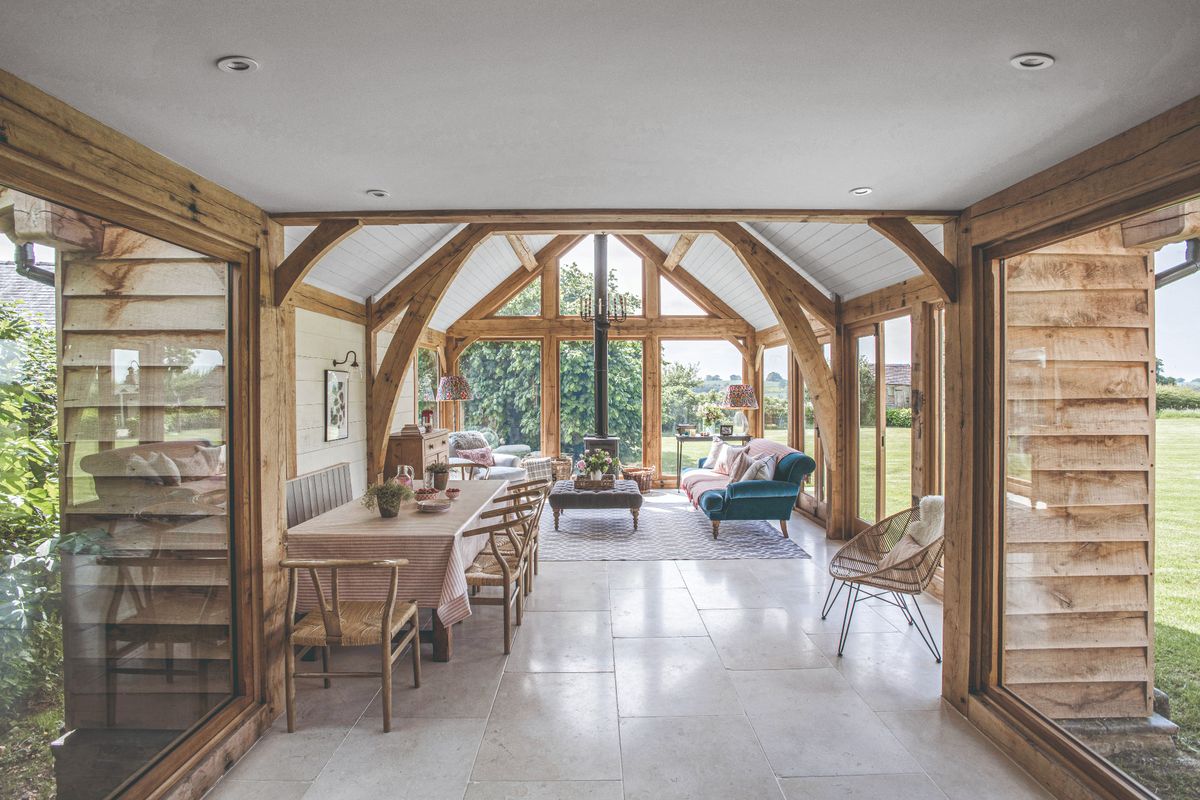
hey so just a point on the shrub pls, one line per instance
(899, 418)
(1177, 397)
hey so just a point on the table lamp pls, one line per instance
(741, 397)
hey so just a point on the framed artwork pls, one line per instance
(337, 405)
(727, 430)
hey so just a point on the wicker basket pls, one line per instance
(562, 468)
(585, 484)
(643, 475)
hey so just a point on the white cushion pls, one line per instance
(932, 524)
(726, 458)
(165, 468)
(903, 550)
(714, 452)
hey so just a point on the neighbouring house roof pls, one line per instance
(897, 374)
(38, 298)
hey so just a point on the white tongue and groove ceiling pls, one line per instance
(625, 103)
(842, 259)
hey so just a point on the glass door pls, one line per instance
(868, 427)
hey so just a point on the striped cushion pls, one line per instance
(539, 468)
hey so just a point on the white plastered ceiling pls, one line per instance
(848, 260)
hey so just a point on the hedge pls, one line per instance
(1177, 397)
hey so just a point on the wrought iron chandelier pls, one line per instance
(591, 308)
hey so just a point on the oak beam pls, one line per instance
(784, 292)
(521, 247)
(396, 298)
(326, 236)
(679, 250)
(609, 215)
(439, 272)
(577, 328)
(682, 280)
(924, 254)
(320, 301)
(773, 274)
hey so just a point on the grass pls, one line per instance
(26, 765)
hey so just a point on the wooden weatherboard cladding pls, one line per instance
(1079, 515)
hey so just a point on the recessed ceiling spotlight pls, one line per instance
(861, 191)
(378, 194)
(237, 64)
(1032, 61)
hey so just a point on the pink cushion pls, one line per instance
(480, 455)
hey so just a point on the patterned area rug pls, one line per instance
(668, 529)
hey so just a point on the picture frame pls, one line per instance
(727, 430)
(337, 405)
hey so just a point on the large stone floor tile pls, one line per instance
(675, 677)
(694, 758)
(831, 734)
(960, 759)
(862, 787)
(644, 575)
(580, 589)
(761, 638)
(765, 691)
(544, 790)
(655, 612)
(283, 756)
(563, 641)
(420, 759)
(732, 588)
(552, 727)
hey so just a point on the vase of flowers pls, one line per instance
(387, 497)
(438, 474)
(595, 463)
(710, 416)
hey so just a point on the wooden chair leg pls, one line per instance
(386, 658)
(507, 619)
(520, 598)
(416, 648)
(326, 660)
(783, 527)
(289, 683)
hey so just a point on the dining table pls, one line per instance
(433, 543)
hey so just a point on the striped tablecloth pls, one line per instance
(432, 543)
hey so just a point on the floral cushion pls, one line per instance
(479, 455)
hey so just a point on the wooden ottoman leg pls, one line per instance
(634, 512)
(556, 513)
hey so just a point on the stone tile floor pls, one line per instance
(648, 680)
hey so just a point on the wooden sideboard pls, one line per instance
(417, 449)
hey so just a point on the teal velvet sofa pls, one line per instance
(758, 499)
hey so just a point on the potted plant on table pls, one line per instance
(387, 497)
(595, 463)
(438, 473)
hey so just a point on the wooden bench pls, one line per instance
(318, 492)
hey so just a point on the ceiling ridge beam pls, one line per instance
(292, 270)
(679, 250)
(930, 260)
(521, 248)
(773, 274)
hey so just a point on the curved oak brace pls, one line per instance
(326, 236)
(435, 276)
(776, 272)
(905, 235)
(786, 293)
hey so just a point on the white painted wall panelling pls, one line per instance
(319, 340)
(711, 262)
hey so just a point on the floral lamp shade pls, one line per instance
(452, 388)
(740, 395)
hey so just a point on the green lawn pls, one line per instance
(1177, 572)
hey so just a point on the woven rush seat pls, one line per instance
(485, 570)
(361, 623)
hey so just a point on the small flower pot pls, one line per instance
(597, 475)
(441, 480)
(388, 512)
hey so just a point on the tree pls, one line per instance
(867, 396)
(1160, 376)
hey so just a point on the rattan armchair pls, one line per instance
(857, 568)
(350, 623)
(503, 563)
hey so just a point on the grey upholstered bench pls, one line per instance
(624, 494)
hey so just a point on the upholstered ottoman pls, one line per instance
(624, 494)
